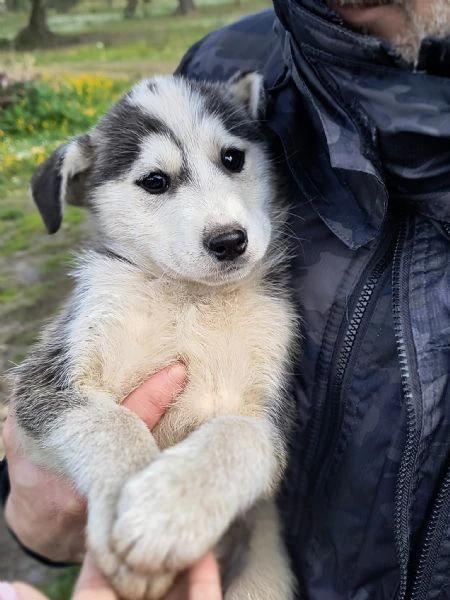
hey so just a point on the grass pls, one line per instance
(95, 15)
(61, 588)
(154, 36)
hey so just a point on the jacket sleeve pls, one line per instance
(244, 45)
(184, 66)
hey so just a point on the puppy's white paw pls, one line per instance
(131, 586)
(164, 520)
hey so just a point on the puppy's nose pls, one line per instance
(226, 245)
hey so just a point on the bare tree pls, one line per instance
(185, 7)
(130, 9)
(36, 33)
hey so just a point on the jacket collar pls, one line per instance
(330, 136)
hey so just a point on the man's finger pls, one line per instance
(91, 584)
(204, 580)
(151, 399)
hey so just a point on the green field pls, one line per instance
(62, 92)
(153, 41)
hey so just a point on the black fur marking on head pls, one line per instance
(46, 190)
(75, 159)
(122, 131)
(233, 116)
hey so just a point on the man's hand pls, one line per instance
(201, 582)
(43, 510)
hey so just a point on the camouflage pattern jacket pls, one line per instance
(365, 142)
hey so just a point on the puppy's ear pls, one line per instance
(248, 88)
(61, 179)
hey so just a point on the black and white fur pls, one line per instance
(152, 293)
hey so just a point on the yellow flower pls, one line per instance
(89, 112)
(39, 158)
(39, 154)
(2, 133)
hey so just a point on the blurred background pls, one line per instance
(62, 63)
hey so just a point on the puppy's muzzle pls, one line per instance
(226, 245)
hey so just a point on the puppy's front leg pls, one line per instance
(98, 444)
(174, 511)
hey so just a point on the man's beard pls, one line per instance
(435, 22)
(430, 21)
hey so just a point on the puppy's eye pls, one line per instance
(233, 159)
(155, 183)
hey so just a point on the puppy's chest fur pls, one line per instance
(234, 342)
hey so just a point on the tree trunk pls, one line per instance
(185, 7)
(36, 33)
(38, 18)
(130, 9)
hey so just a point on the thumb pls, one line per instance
(151, 399)
(204, 580)
(91, 584)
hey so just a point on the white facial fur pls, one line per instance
(167, 231)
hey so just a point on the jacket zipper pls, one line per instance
(330, 432)
(441, 508)
(413, 413)
(324, 423)
(403, 481)
(432, 541)
(327, 419)
(437, 523)
(434, 531)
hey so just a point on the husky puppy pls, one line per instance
(187, 218)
